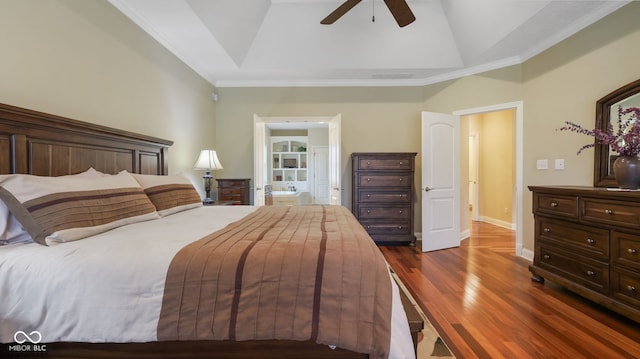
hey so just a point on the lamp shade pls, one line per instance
(207, 161)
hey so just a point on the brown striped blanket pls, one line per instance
(283, 272)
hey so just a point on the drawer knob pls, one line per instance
(400, 179)
(401, 163)
(554, 204)
(547, 230)
(369, 179)
(631, 251)
(590, 273)
(368, 211)
(608, 211)
(368, 163)
(631, 288)
(400, 212)
(546, 256)
(590, 241)
(368, 195)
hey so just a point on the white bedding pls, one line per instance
(78, 291)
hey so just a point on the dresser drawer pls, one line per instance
(231, 191)
(378, 227)
(585, 271)
(385, 196)
(231, 196)
(626, 286)
(377, 212)
(404, 163)
(559, 205)
(232, 183)
(626, 249)
(392, 238)
(611, 212)
(384, 180)
(587, 240)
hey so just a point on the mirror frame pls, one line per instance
(601, 176)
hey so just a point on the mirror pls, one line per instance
(606, 111)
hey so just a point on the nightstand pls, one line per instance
(235, 190)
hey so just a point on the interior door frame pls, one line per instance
(474, 199)
(260, 125)
(518, 106)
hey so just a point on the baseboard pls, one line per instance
(498, 222)
(527, 254)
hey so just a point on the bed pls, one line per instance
(140, 285)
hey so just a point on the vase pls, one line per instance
(626, 169)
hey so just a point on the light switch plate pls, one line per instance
(542, 164)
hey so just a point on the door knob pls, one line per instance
(427, 189)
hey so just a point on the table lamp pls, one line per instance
(207, 161)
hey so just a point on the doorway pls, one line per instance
(517, 203)
(491, 163)
(261, 138)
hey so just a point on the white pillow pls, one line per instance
(90, 173)
(11, 231)
(68, 208)
(170, 194)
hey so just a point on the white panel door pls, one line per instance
(321, 189)
(440, 181)
(260, 156)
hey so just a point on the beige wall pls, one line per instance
(563, 84)
(373, 119)
(87, 61)
(84, 60)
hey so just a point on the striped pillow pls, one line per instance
(170, 194)
(11, 231)
(68, 208)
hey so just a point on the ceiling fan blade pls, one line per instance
(341, 10)
(401, 12)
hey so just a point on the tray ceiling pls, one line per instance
(260, 43)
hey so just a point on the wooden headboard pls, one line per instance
(42, 144)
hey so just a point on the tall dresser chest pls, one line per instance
(383, 195)
(588, 240)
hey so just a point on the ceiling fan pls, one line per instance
(399, 9)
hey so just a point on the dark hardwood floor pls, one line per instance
(482, 301)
